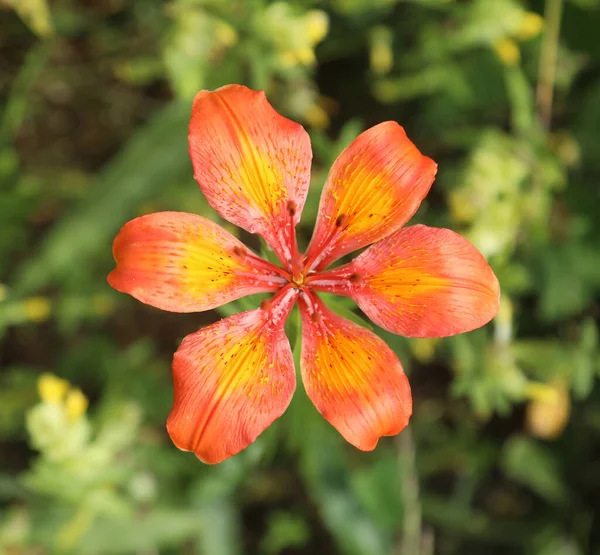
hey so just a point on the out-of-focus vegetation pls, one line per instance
(503, 453)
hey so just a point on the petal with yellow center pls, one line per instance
(232, 380)
(252, 164)
(353, 378)
(373, 188)
(419, 282)
(185, 263)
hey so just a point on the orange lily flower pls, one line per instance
(232, 379)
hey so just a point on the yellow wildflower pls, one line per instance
(225, 34)
(424, 349)
(52, 389)
(507, 51)
(531, 25)
(316, 116)
(76, 404)
(317, 26)
(37, 309)
(381, 55)
(548, 411)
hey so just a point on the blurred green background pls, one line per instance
(503, 453)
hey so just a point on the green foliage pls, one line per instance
(499, 457)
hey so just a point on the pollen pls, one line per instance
(298, 280)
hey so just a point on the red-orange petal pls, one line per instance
(231, 381)
(252, 164)
(353, 378)
(373, 188)
(185, 263)
(419, 282)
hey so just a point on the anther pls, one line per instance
(340, 220)
(291, 207)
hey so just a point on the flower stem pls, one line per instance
(415, 540)
(548, 57)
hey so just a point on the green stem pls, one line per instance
(548, 57)
(415, 541)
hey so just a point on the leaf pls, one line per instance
(526, 462)
(159, 528)
(327, 476)
(155, 156)
(36, 14)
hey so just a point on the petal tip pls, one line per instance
(117, 281)
(369, 443)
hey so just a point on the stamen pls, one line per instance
(327, 244)
(339, 280)
(296, 258)
(281, 303)
(280, 275)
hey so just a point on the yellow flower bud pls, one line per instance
(462, 207)
(76, 404)
(507, 51)
(305, 56)
(381, 55)
(287, 58)
(424, 349)
(548, 411)
(317, 26)
(225, 34)
(51, 388)
(36, 309)
(316, 116)
(531, 25)
(381, 59)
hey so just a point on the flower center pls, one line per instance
(297, 267)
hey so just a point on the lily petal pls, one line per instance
(419, 282)
(373, 188)
(185, 263)
(232, 380)
(353, 378)
(252, 164)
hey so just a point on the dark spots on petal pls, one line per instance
(354, 278)
(239, 251)
(340, 220)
